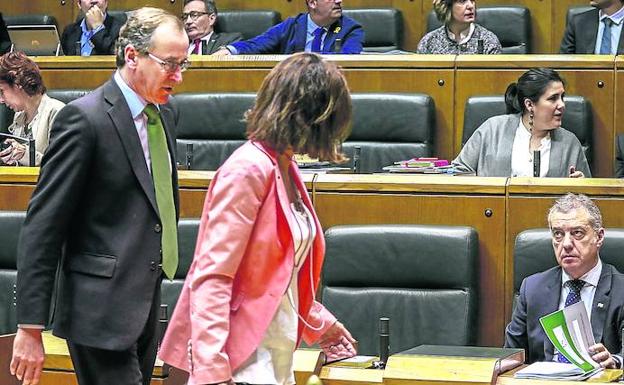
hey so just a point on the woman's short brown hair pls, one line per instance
(16, 69)
(303, 103)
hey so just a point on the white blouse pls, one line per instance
(522, 158)
(272, 362)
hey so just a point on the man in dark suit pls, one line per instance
(322, 29)
(577, 235)
(619, 156)
(105, 212)
(95, 33)
(596, 31)
(199, 17)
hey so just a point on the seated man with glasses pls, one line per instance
(93, 34)
(577, 234)
(199, 18)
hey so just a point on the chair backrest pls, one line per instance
(187, 237)
(383, 28)
(390, 127)
(30, 19)
(10, 226)
(67, 95)
(577, 118)
(213, 124)
(424, 278)
(511, 24)
(533, 252)
(575, 10)
(249, 23)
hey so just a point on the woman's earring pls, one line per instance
(531, 120)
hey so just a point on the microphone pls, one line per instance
(338, 46)
(78, 48)
(31, 152)
(163, 321)
(480, 46)
(356, 159)
(536, 163)
(384, 340)
(189, 156)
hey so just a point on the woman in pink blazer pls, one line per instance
(249, 296)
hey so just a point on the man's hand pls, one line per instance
(222, 52)
(601, 355)
(28, 356)
(94, 17)
(337, 343)
(575, 174)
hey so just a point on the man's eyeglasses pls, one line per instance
(194, 15)
(170, 65)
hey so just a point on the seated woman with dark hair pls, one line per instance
(22, 90)
(505, 145)
(459, 34)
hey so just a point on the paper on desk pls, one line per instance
(570, 332)
(556, 371)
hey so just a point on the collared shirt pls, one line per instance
(588, 291)
(311, 27)
(616, 29)
(136, 104)
(464, 35)
(522, 159)
(86, 46)
(201, 45)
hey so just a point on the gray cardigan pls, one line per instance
(488, 151)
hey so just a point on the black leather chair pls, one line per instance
(511, 24)
(389, 128)
(213, 124)
(578, 117)
(533, 252)
(10, 225)
(573, 11)
(249, 23)
(383, 28)
(424, 278)
(187, 236)
(31, 19)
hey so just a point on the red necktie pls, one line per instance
(196, 49)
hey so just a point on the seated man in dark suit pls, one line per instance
(199, 17)
(597, 31)
(322, 29)
(577, 234)
(619, 156)
(95, 33)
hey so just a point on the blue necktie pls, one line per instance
(605, 42)
(316, 42)
(574, 296)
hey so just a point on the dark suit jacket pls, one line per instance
(219, 40)
(539, 296)
(289, 37)
(580, 34)
(619, 156)
(103, 41)
(93, 212)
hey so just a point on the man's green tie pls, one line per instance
(161, 174)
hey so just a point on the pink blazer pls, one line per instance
(242, 266)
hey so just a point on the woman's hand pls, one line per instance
(337, 343)
(13, 153)
(575, 174)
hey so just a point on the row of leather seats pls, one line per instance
(425, 278)
(388, 127)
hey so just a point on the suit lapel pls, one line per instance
(592, 32)
(209, 46)
(601, 303)
(620, 49)
(124, 124)
(550, 303)
(332, 32)
(301, 30)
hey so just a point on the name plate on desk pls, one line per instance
(451, 365)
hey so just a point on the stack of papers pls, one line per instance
(555, 371)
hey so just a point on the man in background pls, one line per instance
(105, 213)
(577, 234)
(93, 34)
(199, 18)
(597, 31)
(323, 29)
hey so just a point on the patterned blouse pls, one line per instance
(438, 42)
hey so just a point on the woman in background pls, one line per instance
(459, 34)
(505, 145)
(23, 91)
(249, 296)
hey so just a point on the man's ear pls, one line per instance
(131, 56)
(212, 19)
(600, 234)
